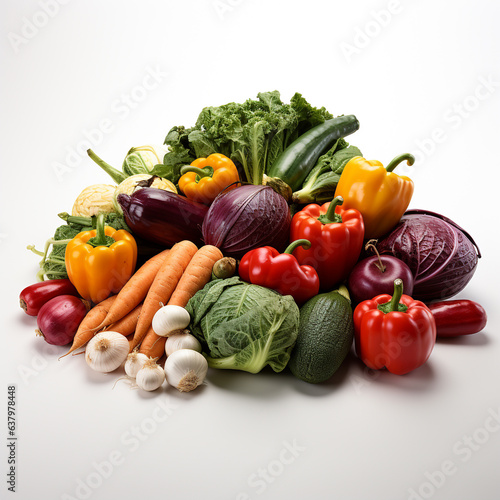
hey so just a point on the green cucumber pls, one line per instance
(298, 159)
(325, 336)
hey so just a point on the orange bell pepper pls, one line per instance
(377, 192)
(205, 178)
(99, 262)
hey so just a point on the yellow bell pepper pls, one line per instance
(377, 192)
(205, 178)
(99, 262)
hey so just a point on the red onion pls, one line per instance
(59, 318)
(33, 297)
(441, 255)
(246, 218)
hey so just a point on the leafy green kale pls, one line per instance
(319, 186)
(243, 326)
(52, 265)
(253, 133)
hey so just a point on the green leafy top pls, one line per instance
(243, 326)
(253, 133)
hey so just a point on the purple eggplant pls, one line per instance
(163, 217)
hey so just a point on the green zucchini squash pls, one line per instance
(297, 160)
(325, 336)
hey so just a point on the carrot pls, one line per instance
(196, 275)
(163, 285)
(134, 291)
(127, 324)
(87, 328)
(153, 345)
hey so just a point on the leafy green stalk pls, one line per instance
(320, 184)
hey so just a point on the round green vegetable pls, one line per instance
(298, 159)
(325, 336)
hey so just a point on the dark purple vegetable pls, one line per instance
(441, 255)
(245, 218)
(163, 217)
(375, 275)
(59, 318)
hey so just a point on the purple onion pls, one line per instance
(245, 218)
(59, 318)
(441, 255)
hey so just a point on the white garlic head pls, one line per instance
(135, 361)
(181, 341)
(169, 319)
(151, 376)
(106, 351)
(186, 369)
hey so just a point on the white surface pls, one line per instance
(356, 437)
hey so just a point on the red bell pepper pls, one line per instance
(336, 237)
(266, 267)
(394, 332)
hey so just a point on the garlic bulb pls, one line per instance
(181, 341)
(150, 376)
(106, 351)
(186, 369)
(169, 319)
(135, 361)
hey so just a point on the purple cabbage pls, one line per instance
(441, 255)
(245, 218)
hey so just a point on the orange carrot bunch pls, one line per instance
(171, 277)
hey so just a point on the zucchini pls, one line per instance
(298, 159)
(325, 336)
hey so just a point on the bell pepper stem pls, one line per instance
(330, 215)
(371, 244)
(115, 174)
(199, 171)
(100, 238)
(396, 297)
(394, 304)
(306, 244)
(410, 160)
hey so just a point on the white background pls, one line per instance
(424, 79)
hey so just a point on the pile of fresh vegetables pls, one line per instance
(257, 237)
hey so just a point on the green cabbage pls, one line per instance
(243, 326)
